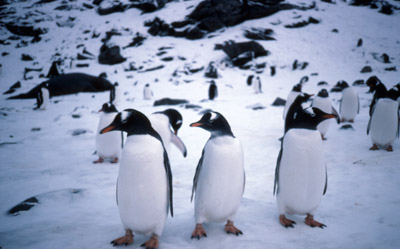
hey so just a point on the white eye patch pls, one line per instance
(124, 116)
(213, 116)
(178, 122)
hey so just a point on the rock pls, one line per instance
(23, 206)
(168, 58)
(299, 65)
(25, 30)
(256, 107)
(137, 41)
(26, 57)
(386, 8)
(53, 71)
(347, 127)
(13, 88)
(279, 102)
(303, 23)
(273, 70)
(322, 83)
(366, 69)
(113, 7)
(110, 55)
(242, 52)
(151, 69)
(36, 129)
(359, 42)
(78, 132)
(259, 34)
(391, 69)
(358, 83)
(211, 71)
(385, 58)
(168, 101)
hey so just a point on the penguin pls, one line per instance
(323, 102)
(296, 110)
(162, 122)
(384, 121)
(108, 146)
(218, 184)
(257, 85)
(115, 94)
(296, 90)
(378, 88)
(144, 186)
(212, 91)
(300, 173)
(147, 92)
(42, 97)
(349, 104)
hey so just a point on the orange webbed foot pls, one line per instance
(124, 240)
(115, 160)
(389, 148)
(313, 223)
(199, 232)
(100, 160)
(374, 147)
(230, 228)
(286, 222)
(151, 243)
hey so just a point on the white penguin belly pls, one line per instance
(46, 98)
(108, 145)
(302, 172)
(220, 181)
(384, 122)
(324, 104)
(142, 186)
(349, 104)
(289, 101)
(160, 123)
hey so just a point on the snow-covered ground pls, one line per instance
(77, 206)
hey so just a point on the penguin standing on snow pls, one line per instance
(42, 97)
(162, 122)
(378, 88)
(296, 90)
(108, 146)
(384, 122)
(115, 93)
(300, 174)
(350, 103)
(212, 91)
(219, 179)
(323, 102)
(144, 186)
(147, 92)
(257, 85)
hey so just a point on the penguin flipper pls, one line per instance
(337, 114)
(370, 118)
(116, 192)
(278, 164)
(196, 176)
(169, 181)
(326, 180)
(179, 144)
(358, 106)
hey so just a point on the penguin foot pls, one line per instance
(374, 147)
(323, 137)
(100, 160)
(230, 228)
(199, 232)
(389, 148)
(286, 222)
(115, 160)
(309, 220)
(124, 240)
(151, 243)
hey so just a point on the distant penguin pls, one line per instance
(147, 92)
(43, 97)
(212, 91)
(323, 102)
(219, 179)
(257, 85)
(108, 146)
(378, 88)
(384, 122)
(349, 104)
(115, 94)
(295, 111)
(144, 186)
(162, 122)
(300, 174)
(296, 90)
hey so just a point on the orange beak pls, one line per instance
(107, 129)
(196, 124)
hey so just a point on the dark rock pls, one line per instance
(75, 116)
(249, 80)
(168, 58)
(366, 69)
(358, 83)
(347, 127)
(23, 206)
(161, 53)
(78, 132)
(360, 42)
(391, 69)
(152, 69)
(194, 33)
(335, 31)
(110, 55)
(259, 34)
(361, 2)
(13, 88)
(303, 23)
(339, 86)
(242, 52)
(322, 83)
(385, 58)
(82, 65)
(211, 71)
(36, 129)
(386, 9)
(53, 71)
(115, 7)
(26, 57)
(83, 57)
(299, 65)
(328, 1)
(25, 30)
(192, 106)
(168, 101)
(69, 84)
(137, 41)
(279, 102)
(256, 107)
(273, 70)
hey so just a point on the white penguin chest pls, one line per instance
(384, 122)
(108, 144)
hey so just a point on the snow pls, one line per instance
(360, 208)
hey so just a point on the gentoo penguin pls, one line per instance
(323, 102)
(212, 90)
(349, 104)
(115, 93)
(144, 186)
(295, 111)
(296, 90)
(147, 92)
(257, 85)
(219, 179)
(42, 97)
(108, 146)
(300, 174)
(379, 90)
(162, 122)
(384, 122)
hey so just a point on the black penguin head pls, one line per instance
(319, 116)
(372, 83)
(393, 93)
(215, 123)
(323, 93)
(130, 121)
(116, 84)
(108, 108)
(147, 85)
(304, 119)
(175, 119)
(342, 84)
(302, 98)
(46, 85)
(297, 88)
